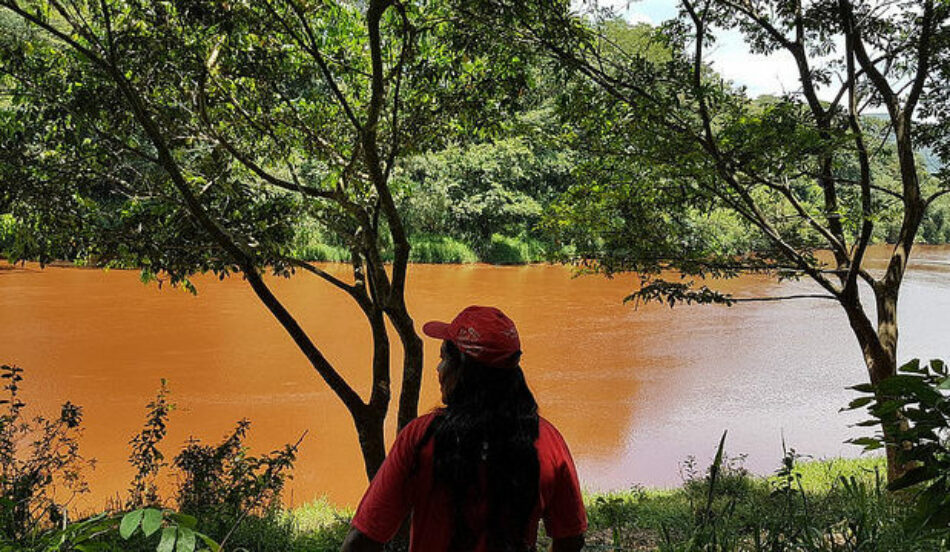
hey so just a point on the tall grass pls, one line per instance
(313, 243)
(513, 250)
(440, 250)
(818, 506)
(834, 505)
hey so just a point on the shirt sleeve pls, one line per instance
(565, 515)
(387, 501)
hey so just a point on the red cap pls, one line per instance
(483, 333)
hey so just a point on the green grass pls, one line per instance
(821, 506)
(321, 252)
(513, 250)
(818, 475)
(440, 250)
(317, 515)
(827, 505)
(319, 526)
(310, 244)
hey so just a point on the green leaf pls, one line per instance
(859, 402)
(92, 547)
(911, 478)
(944, 385)
(186, 540)
(215, 547)
(913, 367)
(167, 543)
(130, 523)
(184, 520)
(867, 442)
(151, 521)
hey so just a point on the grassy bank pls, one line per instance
(830, 505)
(312, 245)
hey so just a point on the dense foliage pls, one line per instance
(41, 468)
(913, 410)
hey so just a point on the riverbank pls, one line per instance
(499, 249)
(835, 504)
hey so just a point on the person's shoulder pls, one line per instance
(548, 433)
(546, 427)
(416, 428)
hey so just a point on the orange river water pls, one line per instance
(634, 391)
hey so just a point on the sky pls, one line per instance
(772, 74)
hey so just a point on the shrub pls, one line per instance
(29, 475)
(224, 478)
(8, 229)
(913, 410)
(321, 252)
(507, 250)
(440, 249)
(146, 457)
(313, 243)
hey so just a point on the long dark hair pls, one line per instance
(487, 433)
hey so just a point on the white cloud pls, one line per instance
(760, 74)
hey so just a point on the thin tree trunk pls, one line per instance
(369, 429)
(879, 354)
(411, 366)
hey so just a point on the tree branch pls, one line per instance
(781, 298)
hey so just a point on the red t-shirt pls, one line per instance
(395, 492)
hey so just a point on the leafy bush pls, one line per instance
(913, 410)
(7, 233)
(440, 249)
(177, 532)
(224, 478)
(321, 252)
(146, 457)
(234, 496)
(827, 506)
(507, 250)
(312, 242)
(30, 474)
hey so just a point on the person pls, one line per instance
(480, 473)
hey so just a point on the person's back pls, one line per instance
(479, 474)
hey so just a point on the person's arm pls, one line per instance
(356, 541)
(568, 544)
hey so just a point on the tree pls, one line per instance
(673, 139)
(188, 136)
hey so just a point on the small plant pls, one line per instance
(178, 530)
(146, 456)
(913, 410)
(37, 483)
(225, 478)
(713, 509)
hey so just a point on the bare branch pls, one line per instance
(781, 298)
(350, 289)
(936, 195)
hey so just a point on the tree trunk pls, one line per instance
(879, 349)
(369, 428)
(411, 365)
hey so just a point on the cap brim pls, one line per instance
(438, 330)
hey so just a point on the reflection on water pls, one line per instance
(633, 391)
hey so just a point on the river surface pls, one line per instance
(634, 391)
